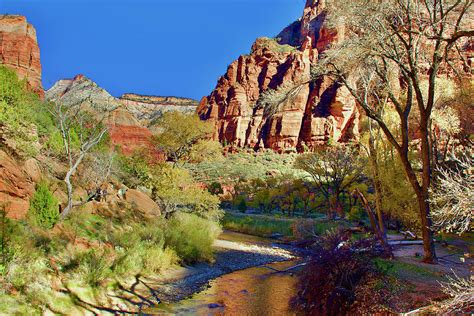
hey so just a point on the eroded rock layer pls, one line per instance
(19, 50)
(128, 118)
(315, 114)
(146, 108)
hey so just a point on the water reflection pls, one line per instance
(255, 291)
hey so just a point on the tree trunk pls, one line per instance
(423, 194)
(377, 184)
(427, 233)
(68, 208)
(378, 231)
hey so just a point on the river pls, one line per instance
(253, 291)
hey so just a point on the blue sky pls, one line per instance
(156, 47)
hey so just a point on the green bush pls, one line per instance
(44, 207)
(192, 237)
(242, 205)
(22, 115)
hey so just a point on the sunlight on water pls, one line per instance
(255, 291)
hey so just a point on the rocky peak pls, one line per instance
(317, 112)
(79, 90)
(19, 50)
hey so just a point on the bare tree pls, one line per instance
(461, 292)
(392, 57)
(80, 133)
(453, 197)
(99, 167)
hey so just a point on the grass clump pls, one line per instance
(192, 237)
(395, 268)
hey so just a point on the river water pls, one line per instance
(254, 291)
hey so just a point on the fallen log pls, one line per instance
(286, 270)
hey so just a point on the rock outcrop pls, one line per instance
(125, 130)
(128, 118)
(314, 114)
(16, 185)
(146, 108)
(19, 50)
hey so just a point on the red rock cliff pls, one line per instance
(318, 112)
(19, 50)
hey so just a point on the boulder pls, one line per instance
(33, 170)
(142, 203)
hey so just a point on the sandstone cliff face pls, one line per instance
(315, 114)
(16, 185)
(19, 50)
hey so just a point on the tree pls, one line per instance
(205, 150)
(78, 122)
(174, 189)
(44, 207)
(453, 197)
(333, 170)
(391, 47)
(453, 200)
(179, 132)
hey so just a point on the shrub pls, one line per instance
(44, 207)
(94, 267)
(215, 188)
(191, 237)
(356, 214)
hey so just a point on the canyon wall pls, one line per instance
(315, 114)
(19, 50)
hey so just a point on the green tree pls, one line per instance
(205, 150)
(44, 207)
(333, 170)
(179, 132)
(174, 189)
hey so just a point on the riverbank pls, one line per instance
(233, 252)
